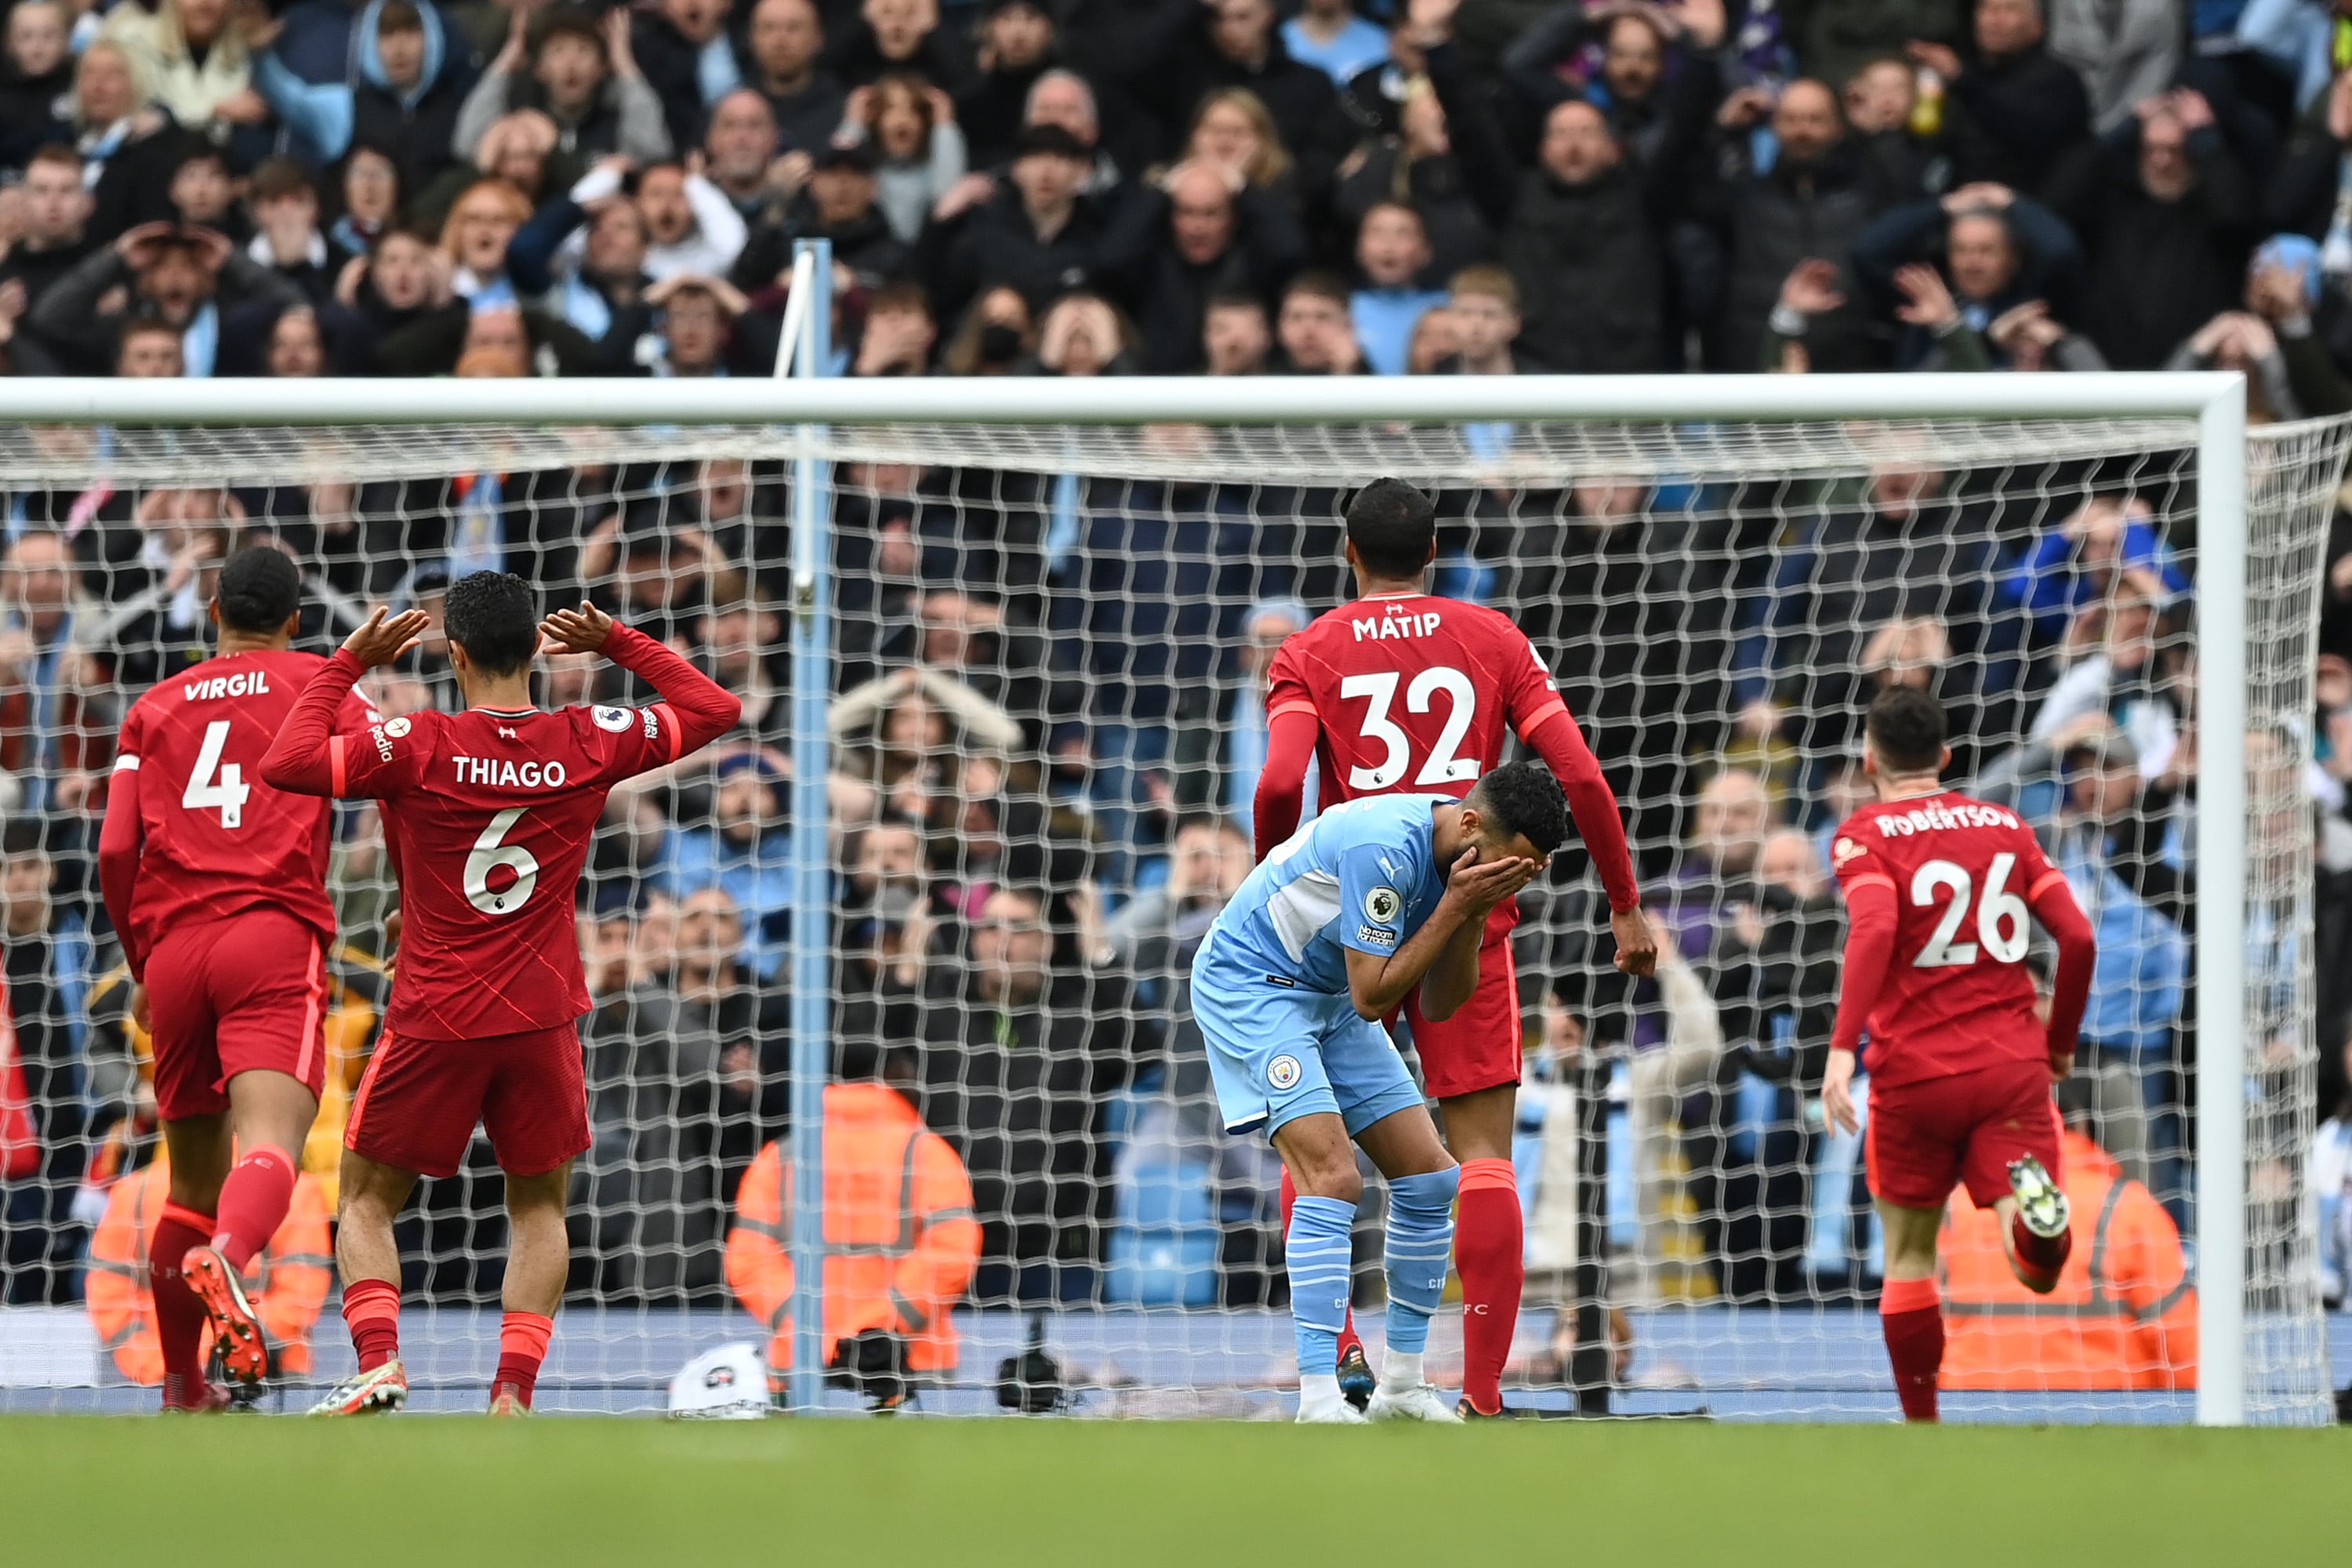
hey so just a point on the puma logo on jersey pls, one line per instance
(252, 683)
(501, 774)
(1382, 628)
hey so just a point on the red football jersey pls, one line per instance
(211, 838)
(489, 817)
(1416, 694)
(1965, 875)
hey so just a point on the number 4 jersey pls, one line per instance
(489, 817)
(1942, 892)
(192, 832)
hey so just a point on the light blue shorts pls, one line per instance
(1277, 1052)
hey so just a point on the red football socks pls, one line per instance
(371, 1308)
(1912, 1318)
(179, 1315)
(1290, 1201)
(253, 1203)
(522, 1346)
(2039, 1259)
(1489, 1253)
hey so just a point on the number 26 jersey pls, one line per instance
(489, 817)
(1416, 694)
(1965, 875)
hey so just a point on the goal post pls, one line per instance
(2257, 505)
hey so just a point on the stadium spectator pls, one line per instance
(1224, 238)
(581, 76)
(286, 240)
(188, 278)
(920, 151)
(1812, 202)
(786, 46)
(1313, 334)
(1019, 1047)
(837, 204)
(740, 152)
(1041, 236)
(687, 57)
(403, 103)
(45, 951)
(287, 1281)
(2124, 1314)
(1235, 337)
(192, 61)
(1017, 46)
(1577, 227)
(2165, 216)
(55, 233)
(2014, 114)
(900, 1214)
(2103, 844)
(37, 68)
(1393, 252)
(2002, 252)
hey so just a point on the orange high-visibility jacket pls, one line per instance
(287, 1281)
(2124, 1314)
(900, 1240)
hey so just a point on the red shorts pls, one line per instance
(417, 1108)
(1924, 1139)
(1480, 1047)
(235, 995)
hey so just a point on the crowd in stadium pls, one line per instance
(1047, 713)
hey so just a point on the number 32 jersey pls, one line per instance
(1414, 693)
(213, 839)
(489, 817)
(1957, 997)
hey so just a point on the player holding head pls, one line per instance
(215, 883)
(1374, 903)
(1398, 691)
(489, 815)
(1938, 890)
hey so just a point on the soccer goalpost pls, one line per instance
(1085, 576)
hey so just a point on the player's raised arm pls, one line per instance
(306, 757)
(704, 709)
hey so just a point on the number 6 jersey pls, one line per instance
(1942, 892)
(192, 832)
(489, 817)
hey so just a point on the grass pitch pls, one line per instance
(423, 1491)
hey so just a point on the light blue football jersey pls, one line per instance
(1363, 875)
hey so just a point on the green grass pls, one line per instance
(423, 1491)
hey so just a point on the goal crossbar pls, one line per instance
(1136, 400)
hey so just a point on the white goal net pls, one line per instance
(1045, 722)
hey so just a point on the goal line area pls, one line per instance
(1001, 654)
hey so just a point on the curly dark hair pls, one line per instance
(259, 590)
(1905, 727)
(1522, 798)
(494, 617)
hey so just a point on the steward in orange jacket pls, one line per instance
(287, 1281)
(2124, 1314)
(900, 1240)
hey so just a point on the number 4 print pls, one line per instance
(215, 784)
